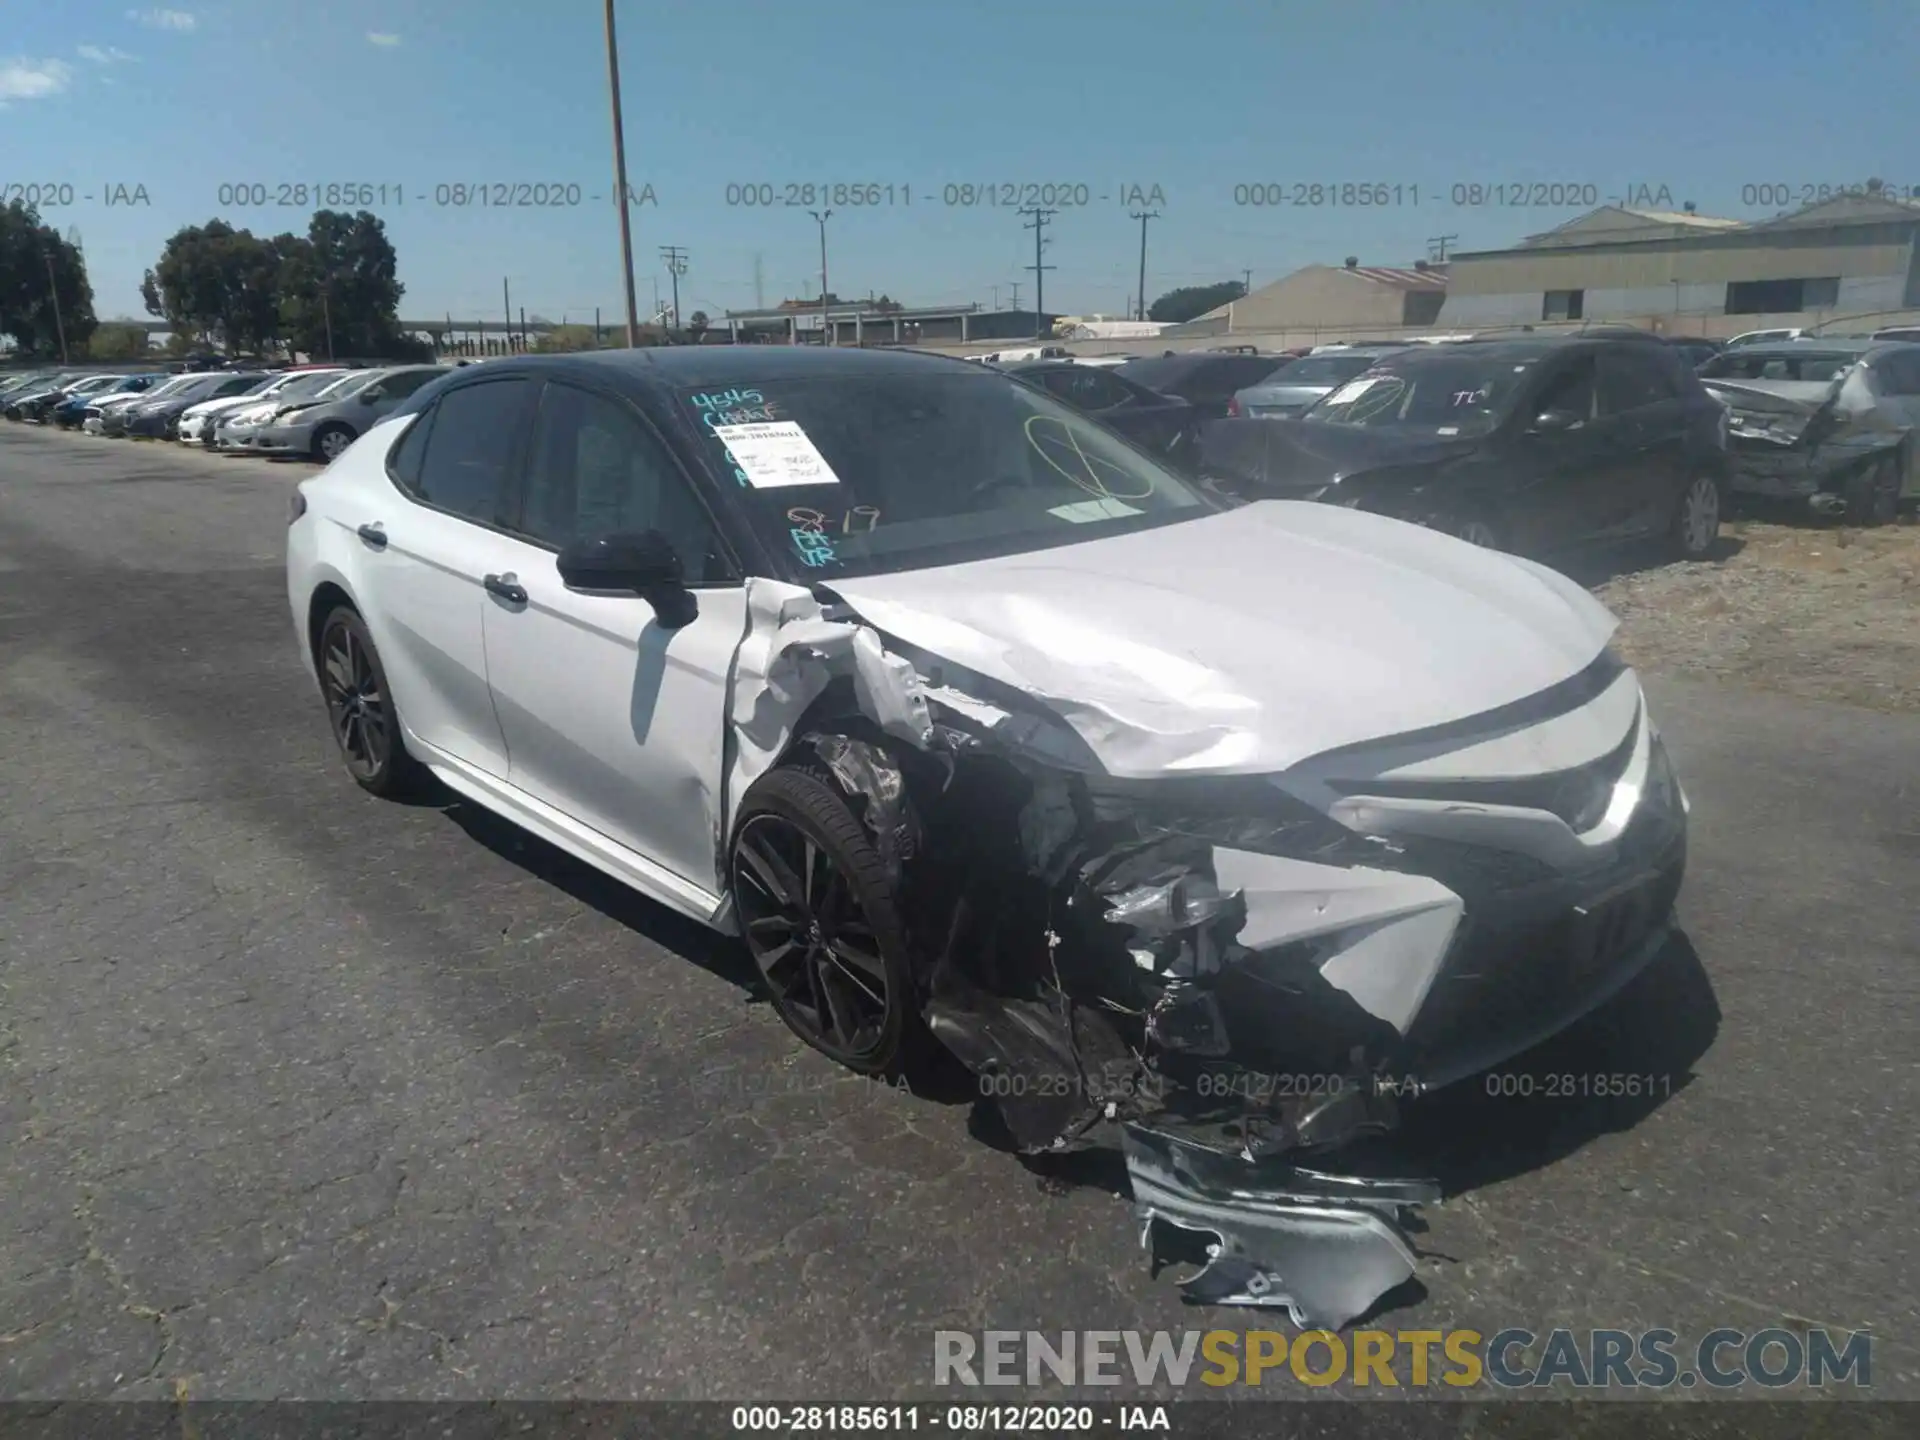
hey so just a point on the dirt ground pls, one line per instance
(1794, 605)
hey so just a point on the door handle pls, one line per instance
(373, 535)
(507, 587)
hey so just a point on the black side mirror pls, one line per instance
(1555, 422)
(643, 564)
(371, 396)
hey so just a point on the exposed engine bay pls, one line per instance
(1232, 976)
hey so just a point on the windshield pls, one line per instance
(175, 386)
(1455, 396)
(863, 474)
(1751, 365)
(310, 384)
(1323, 369)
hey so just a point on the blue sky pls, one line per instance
(1194, 96)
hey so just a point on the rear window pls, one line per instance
(1744, 364)
(1325, 369)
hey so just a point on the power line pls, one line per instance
(1143, 216)
(1039, 225)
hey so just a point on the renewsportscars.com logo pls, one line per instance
(1510, 1359)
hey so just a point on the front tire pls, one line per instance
(1696, 520)
(360, 708)
(330, 442)
(823, 925)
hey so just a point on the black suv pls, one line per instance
(1534, 444)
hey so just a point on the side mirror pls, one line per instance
(1555, 422)
(371, 396)
(643, 564)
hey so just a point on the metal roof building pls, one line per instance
(1853, 255)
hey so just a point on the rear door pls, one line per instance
(1895, 377)
(424, 560)
(1642, 402)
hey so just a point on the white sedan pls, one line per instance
(984, 730)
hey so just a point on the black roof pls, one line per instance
(676, 365)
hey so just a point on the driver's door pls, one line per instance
(609, 718)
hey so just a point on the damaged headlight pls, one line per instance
(1241, 812)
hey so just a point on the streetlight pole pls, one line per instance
(53, 289)
(1143, 216)
(820, 218)
(620, 184)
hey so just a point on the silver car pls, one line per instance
(322, 429)
(1296, 386)
(1829, 422)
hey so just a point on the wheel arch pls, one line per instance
(328, 596)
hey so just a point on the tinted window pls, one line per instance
(1086, 388)
(1898, 373)
(1633, 377)
(397, 387)
(403, 463)
(475, 431)
(1757, 364)
(596, 469)
(1572, 390)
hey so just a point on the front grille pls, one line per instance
(1579, 796)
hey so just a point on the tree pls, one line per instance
(339, 291)
(28, 292)
(1191, 301)
(119, 340)
(697, 325)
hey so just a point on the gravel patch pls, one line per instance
(1816, 611)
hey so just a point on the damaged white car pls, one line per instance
(1214, 830)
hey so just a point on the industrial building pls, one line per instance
(1852, 257)
(1346, 297)
(871, 322)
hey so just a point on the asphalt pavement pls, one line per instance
(303, 1094)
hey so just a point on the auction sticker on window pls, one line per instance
(776, 454)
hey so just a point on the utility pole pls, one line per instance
(996, 297)
(820, 218)
(506, 308)
(1143, 217)
(1016, 296)
(620, 183)
(326, 314)
(1437, 247)
(676, 259)
(1246, 282)
(53, 289)
(1039, 225)
(759, 284)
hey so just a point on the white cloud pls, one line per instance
(104, 54)
(377, 37)
(164, 19)
(22, 79)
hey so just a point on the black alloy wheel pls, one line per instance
(365, 724)
(817, 912)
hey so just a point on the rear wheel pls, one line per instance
(822, 923)
(330, 442)
(1873, 496)
(1696, 520)
(366, 726)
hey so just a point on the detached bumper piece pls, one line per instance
(1324, 1247)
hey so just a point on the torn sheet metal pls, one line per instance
(1803, 440)
(866, 770)
(1326, 1248)
(791, 652)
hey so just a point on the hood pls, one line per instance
(220, 406)
(1306, 454)
(1247, 641)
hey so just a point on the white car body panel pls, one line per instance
(1235, 657)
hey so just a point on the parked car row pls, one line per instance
(311, 412)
